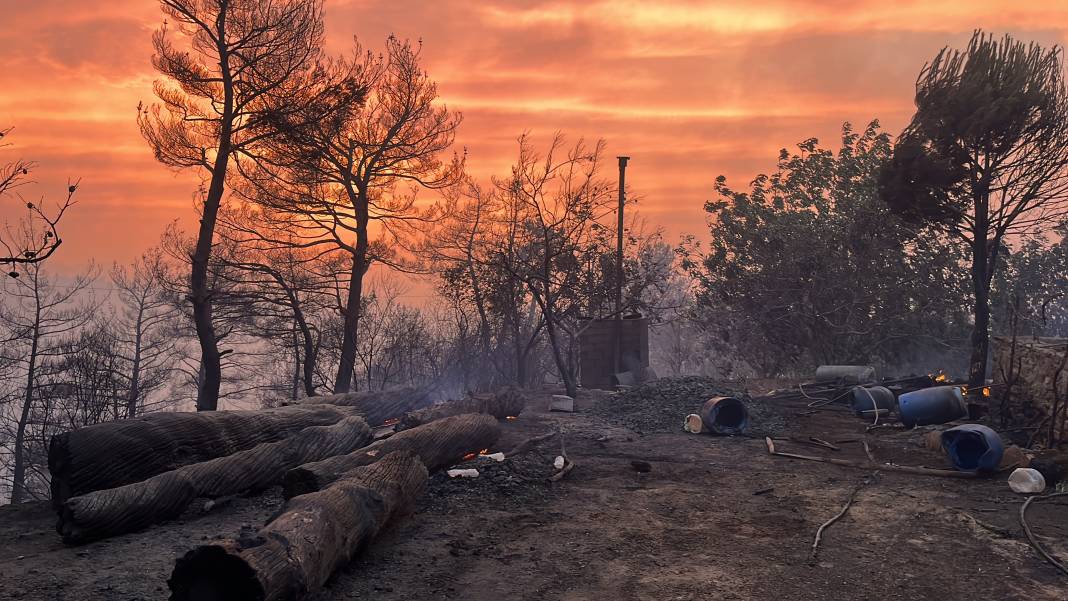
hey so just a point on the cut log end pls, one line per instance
(213, 573)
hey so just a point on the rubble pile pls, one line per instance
(660, 406)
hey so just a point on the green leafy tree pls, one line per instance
(984, 158)
(809, 266)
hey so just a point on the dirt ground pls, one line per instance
(714, 518)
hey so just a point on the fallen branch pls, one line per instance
(529, 444)
(905, 469)
(838, 516)
(1031, 536)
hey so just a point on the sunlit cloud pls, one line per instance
(690, 89)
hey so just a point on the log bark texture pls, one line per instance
(297, 552)
(376, 406)
(501, 404)
(438, 444)
(135, 506)
(115, 453)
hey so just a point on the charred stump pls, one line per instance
(438, 444)
(115, 453)
(135, 506)
(507, 402)
(296, 553)
(376, 406)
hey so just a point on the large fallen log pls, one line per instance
(115, 453)
(135, 506)
(296, 553)
(376, 406)
(438, 444)
(507, 402)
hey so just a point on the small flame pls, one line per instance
(511, 417)
(986, 391)
(939, 377)
(483, 452)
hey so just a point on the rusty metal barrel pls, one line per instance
(724, 415)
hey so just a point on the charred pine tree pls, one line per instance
(245, 64)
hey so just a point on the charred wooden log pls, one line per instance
(115, 453)
(315, 534)
(438, 444)
(507, 402)
(135, 506)
(377, 406)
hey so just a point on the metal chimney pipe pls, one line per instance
(619, 263)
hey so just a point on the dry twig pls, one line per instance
(838, 516)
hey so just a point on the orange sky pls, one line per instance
(688, 89)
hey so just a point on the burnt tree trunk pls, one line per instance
(438, 444)
(115, 453)
(504, 403)
(376, 406)
(132, 507)
(296, 553)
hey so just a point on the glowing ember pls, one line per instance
(470, 456)
(391, 422)
(511, 417)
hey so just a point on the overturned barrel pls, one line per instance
(936, 405)
(850, 374)
(872, 399)
(724, 415)
(973, 448)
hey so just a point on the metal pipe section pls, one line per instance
(619, 264)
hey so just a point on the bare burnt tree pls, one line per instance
(291, 284)
(985, 157)
(245, 62)
(328, 180)
(555, 201)
(38, 314)
(142, 328)
(17, 249)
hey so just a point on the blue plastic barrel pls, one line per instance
(936, 405)
(973, 447)
(865, 400)
(724, 415)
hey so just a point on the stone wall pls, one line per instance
(1024, 396)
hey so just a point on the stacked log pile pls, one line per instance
(115, 453)
(341, 487)
(165, 496)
